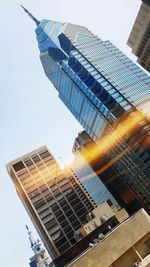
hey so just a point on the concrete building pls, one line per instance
(40, 258)
(127, 245)
(139, 39)
(101, 214)
(55, 201)
(99, 222)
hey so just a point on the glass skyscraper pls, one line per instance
(105, 91)
(91, 182)
(94, 79)
(107, 173)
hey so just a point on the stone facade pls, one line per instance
(100, 215)
(139, 39)
(122, 247)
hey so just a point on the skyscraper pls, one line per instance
(108, 175)
(91, 182)
(103, 89)
(139, 39)
(54, 200)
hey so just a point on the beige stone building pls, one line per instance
(127, 245)
(139, 39)
(54, 199)
(100, 215)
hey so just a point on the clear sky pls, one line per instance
(31, 113)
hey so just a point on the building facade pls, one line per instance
(100, 221)
(40, 258)
(100, 215)
(131, 246)
(91, 182)
(139, 39)
(109, 176)
(103, 89)
(55, 201)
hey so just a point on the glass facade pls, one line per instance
(91, 182)
(110, 176)
(100, 86)
(79, 63)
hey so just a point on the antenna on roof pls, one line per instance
(31, 16)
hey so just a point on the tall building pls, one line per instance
(111, 178)
(139, 39)
(54, 200)
(103, 89)
(91, 182)
(40, 258)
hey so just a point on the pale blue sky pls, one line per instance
(31, 114)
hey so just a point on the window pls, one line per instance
(44, 154)
(147, 243)
(109, 202)
(51, 224)
(18, 166)
(28, 162)
(35, 158)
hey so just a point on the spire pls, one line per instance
(31, 237)
(31, 16)
(35, 243)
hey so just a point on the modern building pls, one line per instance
(40, 258)
(91, 182)
(139, 39)
(108, 175)
(55, 201)
(103, 89)
(127, 245)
